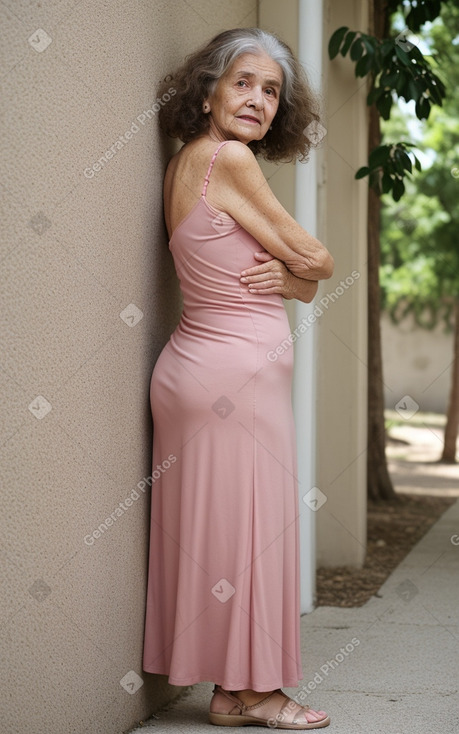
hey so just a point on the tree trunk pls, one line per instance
(378, 480)
(452, 420)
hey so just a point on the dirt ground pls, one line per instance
(425, 489)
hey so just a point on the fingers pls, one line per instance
(258, 269)
(265, 290)
(273, 268)
(267, 278)
(264, 256)
(270, 264)
(260, 277)
(263, 285)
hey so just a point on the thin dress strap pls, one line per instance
(206, 180)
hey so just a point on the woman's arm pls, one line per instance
(272, 276)
(240, 188)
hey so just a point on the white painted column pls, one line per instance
(304, 378)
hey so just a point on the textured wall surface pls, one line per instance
(89, 297)
(416, 362)
(341, 311)
(342, 322)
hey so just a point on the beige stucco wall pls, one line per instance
(342, 327)
(89, 297)
(416, 362)
(281, 18)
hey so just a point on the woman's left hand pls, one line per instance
(272, 276)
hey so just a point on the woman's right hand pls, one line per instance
(272, 276)
(239, 187)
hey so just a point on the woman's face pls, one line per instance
(246, 99)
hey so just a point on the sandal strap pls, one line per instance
(260, 703)
(240, 704)
(235, 701)
(281, 715)
(290, 711)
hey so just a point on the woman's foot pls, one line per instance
(250, 697)
(269, 708)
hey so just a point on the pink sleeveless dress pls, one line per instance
(223, 580)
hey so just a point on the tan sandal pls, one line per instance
(227, 710)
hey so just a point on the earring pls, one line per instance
(206, 107)
(270, 127)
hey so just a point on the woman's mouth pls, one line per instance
(249, 119)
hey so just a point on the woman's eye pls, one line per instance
(270, 92)
(241, 82)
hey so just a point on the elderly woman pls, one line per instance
(223, 587)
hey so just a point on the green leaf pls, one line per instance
(436, 89)
(403, 56)
(389, 80)
(417, 56)
(379, 156)
(397, 167)
(387, 48)
(401, 83)
(386, 183)
(384, 105)
(404, 165)
(405, 160)
(398, 164)
(418, 109)
(422, 108)
(423, 11)
(398, 189)
(414, 91)
(357, 49)
(370, 43)
(364, 65)
(362, 172)
(437, 97)
(374, 94)
(347, 42)
(335, 41)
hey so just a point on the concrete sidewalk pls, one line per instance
(389, 667)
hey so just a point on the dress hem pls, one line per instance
(229, 686)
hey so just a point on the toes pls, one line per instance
(312, 715)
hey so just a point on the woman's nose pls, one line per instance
(256, 99)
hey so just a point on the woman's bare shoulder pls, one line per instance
(187, 159)
(235, 162)
(177, 167)
(236, 173)
(172, 165)
(201, 150)
(236, 151)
